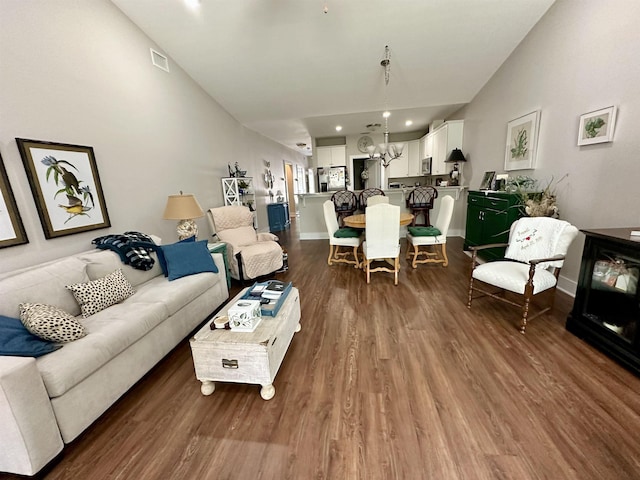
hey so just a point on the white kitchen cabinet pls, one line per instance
(408, 164)
(413, 159)
(398, 166)
(335, 156)
(441, 141)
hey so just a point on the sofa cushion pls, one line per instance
(43, 284)
(110, 332)
(176, 294)
(101, 263)
(99, 294)
(17, 341)
(185, 259)
(50, 323)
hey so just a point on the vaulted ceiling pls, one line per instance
(288, 70)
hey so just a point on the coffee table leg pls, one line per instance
(207, 387)
(298, 328)
(267, 391)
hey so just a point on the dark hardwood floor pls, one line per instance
(383, 382)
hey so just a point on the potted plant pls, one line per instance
(537, 202)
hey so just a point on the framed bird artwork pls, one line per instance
(66, 187)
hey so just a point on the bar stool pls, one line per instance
(365, 194)
(345, 203)
(420, 201)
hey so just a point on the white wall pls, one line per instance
(79, 72)
(581, 56)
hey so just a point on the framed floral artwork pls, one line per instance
(11, 228)
(66, 187)
(597, 127)
(522, 141)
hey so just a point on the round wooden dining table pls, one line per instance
(360, 220)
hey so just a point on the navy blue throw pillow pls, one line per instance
(17, 341)
(188, 258)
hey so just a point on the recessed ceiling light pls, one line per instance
(338, 128)
(192, 3)
(386, 114)
(408, 123)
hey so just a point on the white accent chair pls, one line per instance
(524, 275)
(332, 227)
(431, 254)
(383, 239)
(376, 199)
(250, 254)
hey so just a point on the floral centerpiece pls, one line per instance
(537, 202)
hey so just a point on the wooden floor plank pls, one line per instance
(383, 382)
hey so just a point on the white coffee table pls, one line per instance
(246, 357)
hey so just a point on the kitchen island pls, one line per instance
(312, 227)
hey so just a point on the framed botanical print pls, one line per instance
(66, 187)
(597, 127)
(522, 141)
(11, 228)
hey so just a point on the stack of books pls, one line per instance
(274, 290)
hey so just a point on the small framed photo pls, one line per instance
(487, 180)
(597, 127)
(11, 229)
(66, 187)
(522, 141)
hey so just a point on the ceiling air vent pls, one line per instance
(159, 60)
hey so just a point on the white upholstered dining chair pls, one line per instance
(335, 242)
(383, 239)
(376, 199)
(424, 237)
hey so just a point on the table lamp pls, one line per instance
(185, 208)
(455, 157)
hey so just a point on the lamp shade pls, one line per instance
(456, 156)
(182, 207)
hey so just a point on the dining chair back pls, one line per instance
(376, 199)
(335, 242)
(382, 239)
(533, 259)
(431, 240)
(366, 194)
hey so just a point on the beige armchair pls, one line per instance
(250, 254)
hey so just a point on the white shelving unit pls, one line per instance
(240, 191)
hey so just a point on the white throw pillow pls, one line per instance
(50, 323)
(97, 295)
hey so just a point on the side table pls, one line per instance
(221, 247)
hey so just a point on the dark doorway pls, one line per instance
(359, 164)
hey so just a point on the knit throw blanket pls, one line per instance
(535, 237)
(133, 248)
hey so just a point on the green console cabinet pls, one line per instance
(489, 218)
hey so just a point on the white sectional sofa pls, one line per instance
(48, 401)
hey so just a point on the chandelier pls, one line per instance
(385, 152)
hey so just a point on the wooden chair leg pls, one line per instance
(443, 247)
(330, 254)
(396, 268)
(416, 251)
(355, 257)
(368, 269)
(470, 291)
